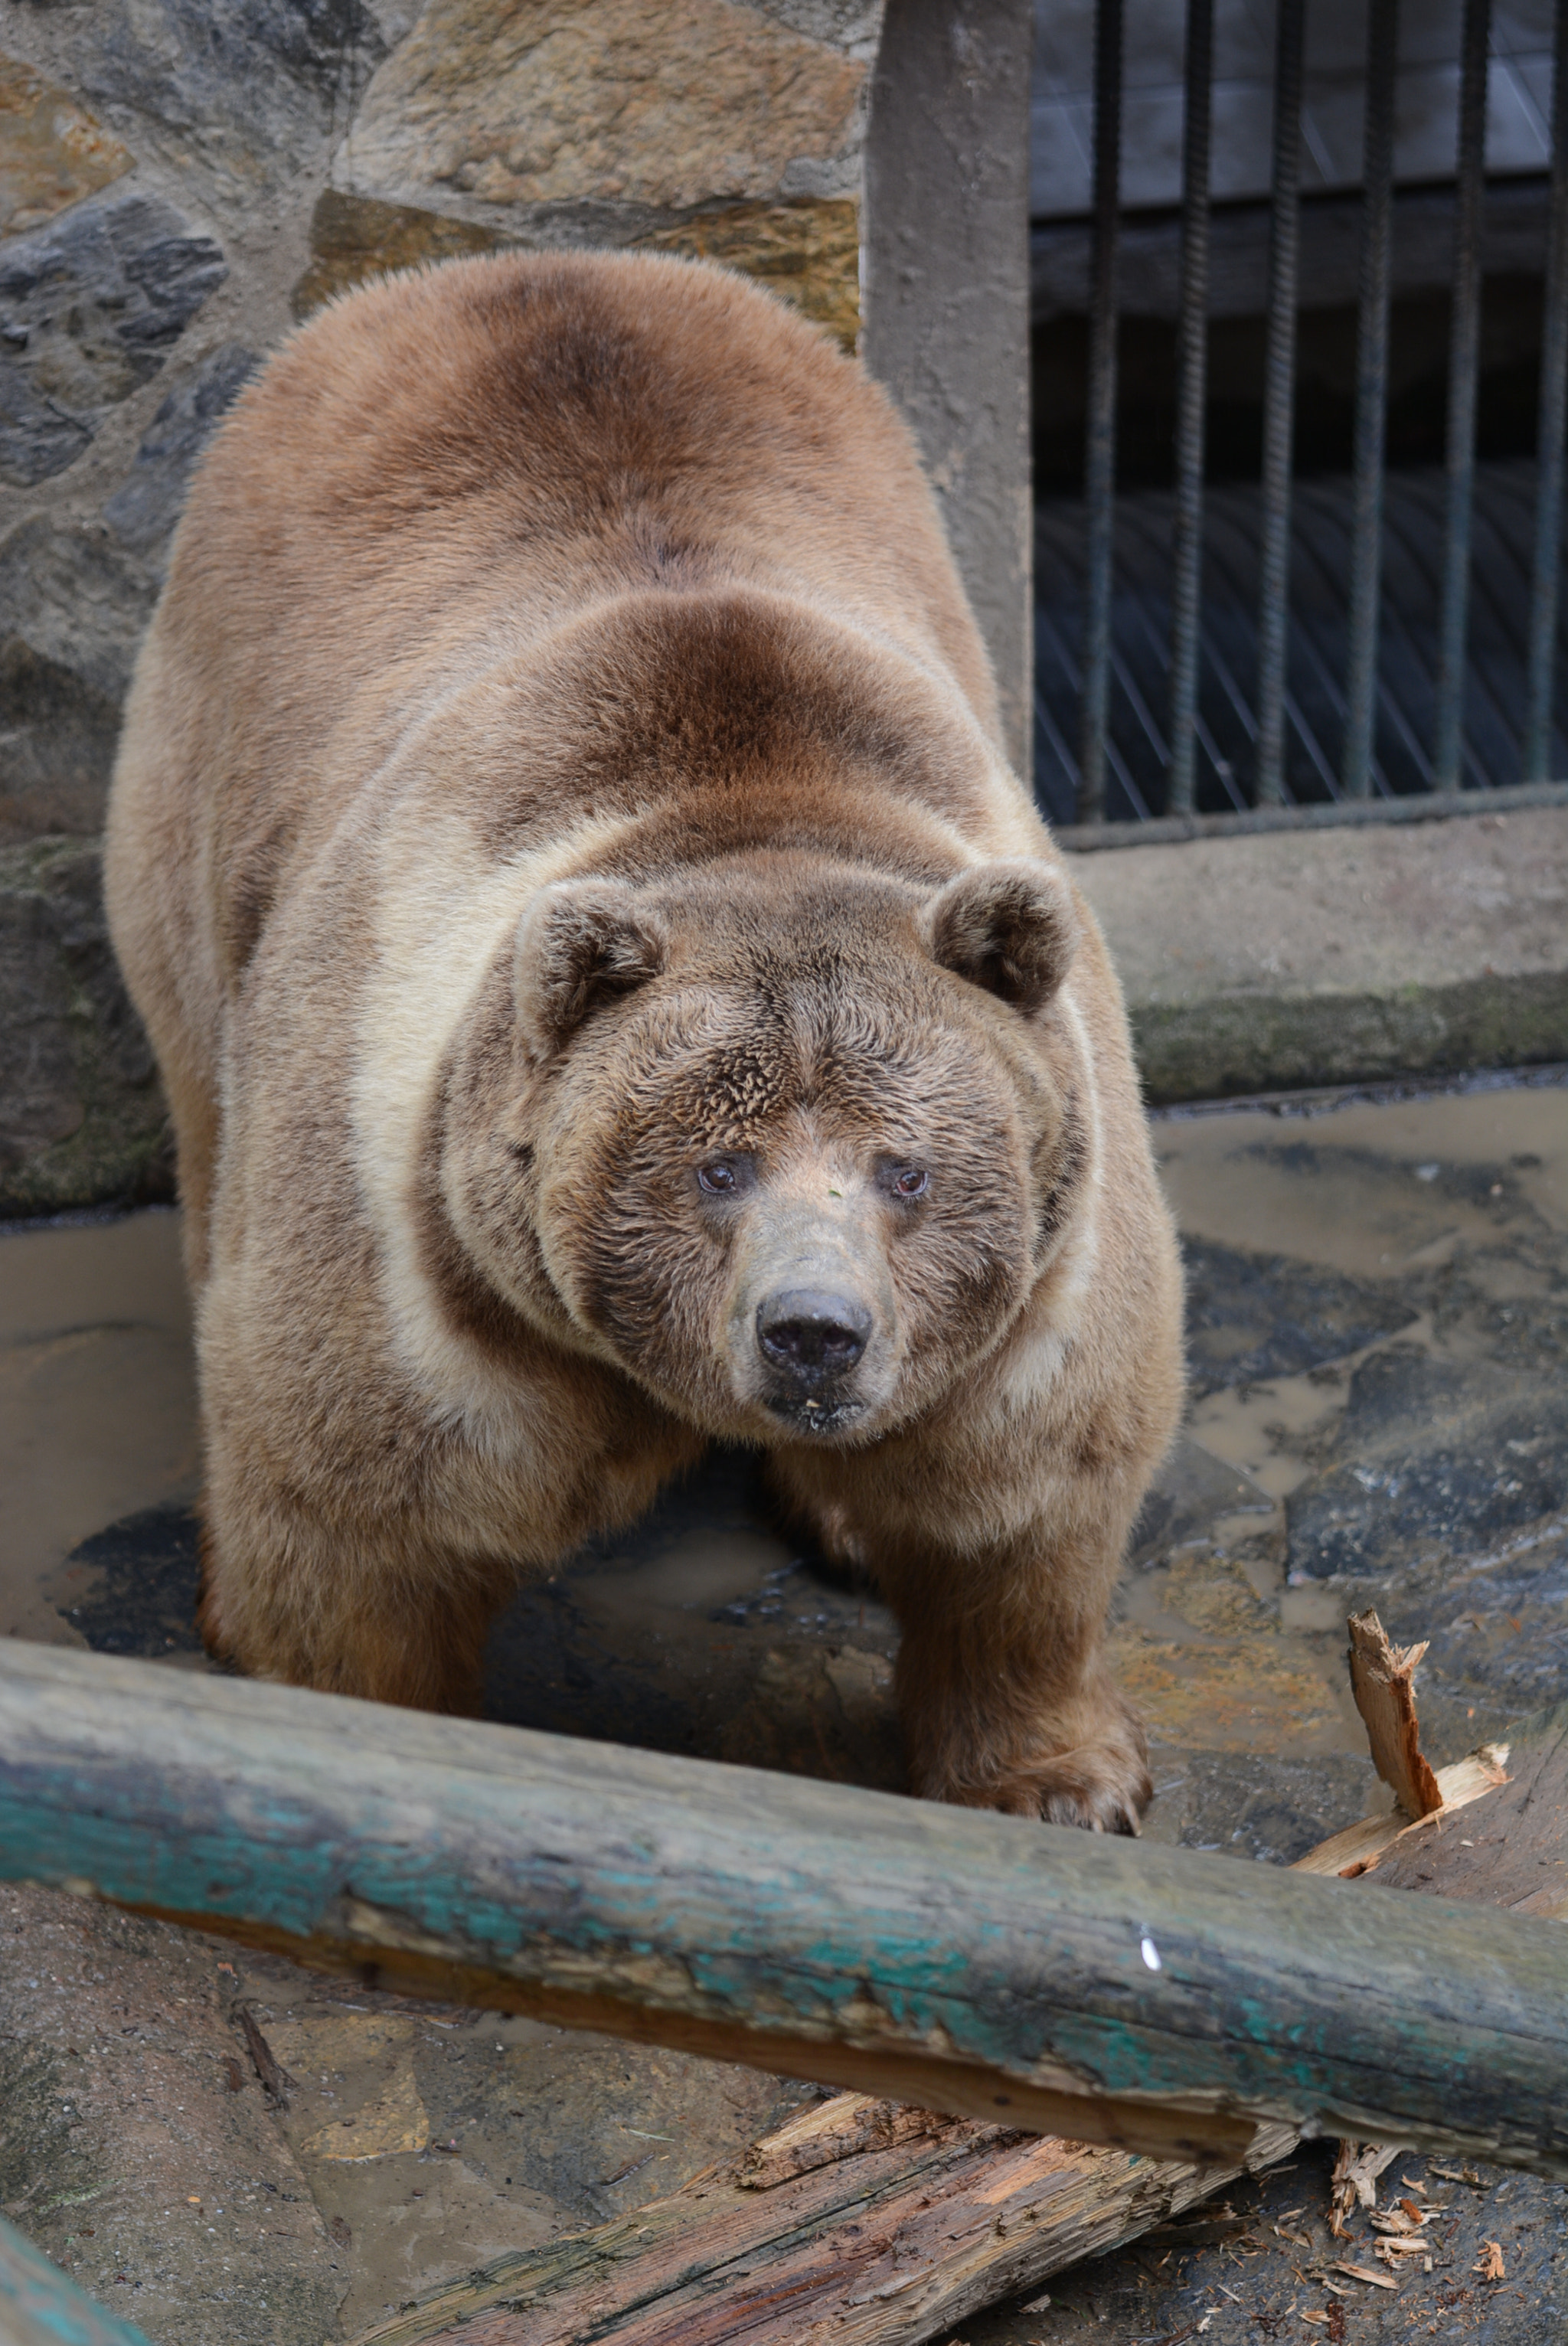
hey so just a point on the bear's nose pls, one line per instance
(811, 1335)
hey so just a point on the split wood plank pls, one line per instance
(1071, 1983)
(1362, 1846)
(870, 2247)
(1380, 1679)
(1513, 1853)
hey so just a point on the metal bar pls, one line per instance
(1463, 365)
(1100, 452)
(1371, 397)
(1417, 806)
(1279, 407)
(1535, 764)
(1192, 370)
(1116, 764)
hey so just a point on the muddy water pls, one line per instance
(1378, 1344)
(97, 1397)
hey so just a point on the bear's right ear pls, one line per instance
(580, 943)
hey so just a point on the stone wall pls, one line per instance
(180, 180)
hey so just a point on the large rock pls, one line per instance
(52, 152)
(143, 513)
(73, 606)
(82, 1119)
(89, 308)
(248, 91)
(663, 102)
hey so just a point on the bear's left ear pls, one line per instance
(581, 943)
(1008, 927)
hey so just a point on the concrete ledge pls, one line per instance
(82, 1119)
(1297, 958)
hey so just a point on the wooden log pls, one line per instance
(1068, 1983)
(884, 2253)
(42, 2306)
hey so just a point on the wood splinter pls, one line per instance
(1382, 1680)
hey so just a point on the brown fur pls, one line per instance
(562, 855)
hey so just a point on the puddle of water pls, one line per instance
(1351, 1186)
(97, 1396)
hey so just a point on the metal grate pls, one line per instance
(1291, 642)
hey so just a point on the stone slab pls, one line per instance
(91, 305)
(82, 1119)
(52, 151)
(137, 2148)
(1312, 957)
(670, 103)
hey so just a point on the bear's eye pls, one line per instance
(910, 1181)
(725, 1176)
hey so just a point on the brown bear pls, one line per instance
(612, 993)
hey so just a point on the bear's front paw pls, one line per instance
(1103, 1786)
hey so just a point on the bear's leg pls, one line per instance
(1004, 1692)
(1006, 1698)
(336, 1608)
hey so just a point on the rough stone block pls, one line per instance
(52, 152)
(143, 513)
(72, 609)
(665, 103)
(89, 306)
(356, 238)
(244, 92)
(806, 253)
(82, 1119)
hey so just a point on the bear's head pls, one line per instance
(788, 1142)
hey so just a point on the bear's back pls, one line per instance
(532, 431)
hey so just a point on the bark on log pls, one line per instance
(1062, 1982)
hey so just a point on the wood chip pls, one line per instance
(841, 2129)
(1363, 2272)
(1489, 2264)
(1356, 2172)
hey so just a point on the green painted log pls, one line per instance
(1098, 1988)
(42, 2306)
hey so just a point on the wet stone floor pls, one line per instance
(1378, 1340)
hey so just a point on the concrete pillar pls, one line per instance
(945, 296)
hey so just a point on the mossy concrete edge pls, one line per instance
(1228, 1044)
